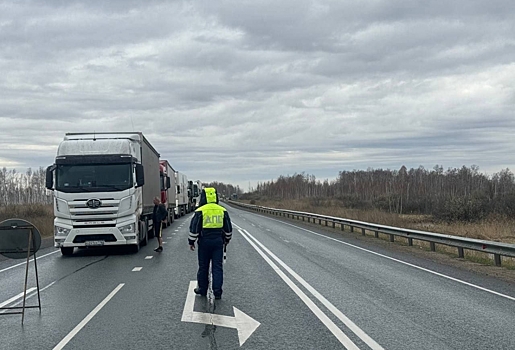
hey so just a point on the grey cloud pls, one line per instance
(260, 89)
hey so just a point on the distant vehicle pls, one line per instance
(105, 184)
(168, 189)
(182, 201)
(195, 191)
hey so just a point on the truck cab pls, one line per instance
(103, 185)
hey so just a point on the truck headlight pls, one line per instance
(130, 228)
(61, 231)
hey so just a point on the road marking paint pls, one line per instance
(136, 269)
(243, 323)
(88, 318)
(351, 325)
(148, 257)
(16, 297)
(337, 332)
(31, 295)
(31, 260)
(402, 262)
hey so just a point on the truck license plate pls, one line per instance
(94, 243)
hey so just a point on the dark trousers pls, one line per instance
(158, 229)
(210, 250)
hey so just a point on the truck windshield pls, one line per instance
(94, 177)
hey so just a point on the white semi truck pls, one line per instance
(181, 207)
(103, 185)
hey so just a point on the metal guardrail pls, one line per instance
(497, 249)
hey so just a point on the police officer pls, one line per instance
(212, 227)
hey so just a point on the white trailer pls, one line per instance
(103, 185)
(181, 207)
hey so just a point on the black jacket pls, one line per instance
(159, 213)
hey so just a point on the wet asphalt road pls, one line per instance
(307, 287)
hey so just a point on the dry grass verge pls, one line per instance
(499, 229)
(40, 215)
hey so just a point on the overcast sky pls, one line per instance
(239, 91)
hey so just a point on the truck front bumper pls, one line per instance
(91, 237)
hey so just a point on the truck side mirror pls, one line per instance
(140, 175)
(49, 181)
(168, 184)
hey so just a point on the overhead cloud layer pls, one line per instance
(240, 91)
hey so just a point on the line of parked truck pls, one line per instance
(104, 185)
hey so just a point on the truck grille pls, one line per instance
(84, 238)
(95, 226)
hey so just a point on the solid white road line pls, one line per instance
(31, 260)
(16, 297)
(404, 263)
(337, 332)
(88, 318)
(351, 325)
(34, 293)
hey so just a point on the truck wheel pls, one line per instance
(143, 229)
(67, 251)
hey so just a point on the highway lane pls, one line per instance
(384, 303)
(400, 306)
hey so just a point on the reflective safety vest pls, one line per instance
(212, 215)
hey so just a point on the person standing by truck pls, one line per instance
(212, 227)
(158, 216)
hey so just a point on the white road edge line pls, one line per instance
(351, 325)
(337, 332)
(31, 295)
(404, 262)
(88, 318)
(31, 260)
(16, 297)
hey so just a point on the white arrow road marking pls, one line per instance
(88, 318)
(242, 322)
(7, 302)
